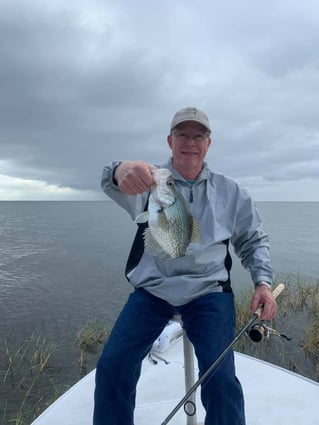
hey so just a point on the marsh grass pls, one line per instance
(28, 372)
(29, 368)
(23, 368)
(298, 317)
(311, 340)
(303, 300)
(89, 338)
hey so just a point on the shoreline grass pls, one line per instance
(298, 318)
(26, 369)
(31, 366)
(89, 338)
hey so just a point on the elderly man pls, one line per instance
(196, 286)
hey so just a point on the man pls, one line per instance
(196, 286)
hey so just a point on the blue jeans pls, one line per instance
(209, 322)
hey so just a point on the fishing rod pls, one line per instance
(276, 292)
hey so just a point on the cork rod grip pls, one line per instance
(276, 292)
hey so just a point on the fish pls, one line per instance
(171, 226)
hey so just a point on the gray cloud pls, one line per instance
(85, 83)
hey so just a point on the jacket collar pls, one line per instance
(205, 174)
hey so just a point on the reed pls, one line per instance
(311, 344)
(298, 315)
(89, 338)
(27, 366)
(92, 334)
(311, 340)
(31, 366)
(23, 369)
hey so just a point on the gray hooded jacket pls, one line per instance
(225, 213)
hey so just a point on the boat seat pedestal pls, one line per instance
(189, 373)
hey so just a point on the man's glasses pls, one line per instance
(183, 137)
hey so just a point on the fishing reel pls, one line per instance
(260, 331)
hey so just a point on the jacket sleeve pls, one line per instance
(133, 204)
(250, 241)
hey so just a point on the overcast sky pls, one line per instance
(85, 82)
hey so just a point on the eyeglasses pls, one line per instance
(197, 137)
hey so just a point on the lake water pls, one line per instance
(62, 265)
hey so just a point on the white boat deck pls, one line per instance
(273, 395)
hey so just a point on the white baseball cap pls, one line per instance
(190, 114)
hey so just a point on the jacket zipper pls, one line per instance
(191, 197)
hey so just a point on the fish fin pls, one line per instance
(150, 243)
(142, 218)
(196, 235)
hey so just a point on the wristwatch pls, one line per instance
(263, 282)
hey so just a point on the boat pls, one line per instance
(273, 395)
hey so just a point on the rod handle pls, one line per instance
(275, 293)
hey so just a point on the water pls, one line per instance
(294, 232)
(62, 264)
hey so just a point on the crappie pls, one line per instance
(171, 226)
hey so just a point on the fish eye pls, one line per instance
(170, 183)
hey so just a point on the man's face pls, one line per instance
(189, 142)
